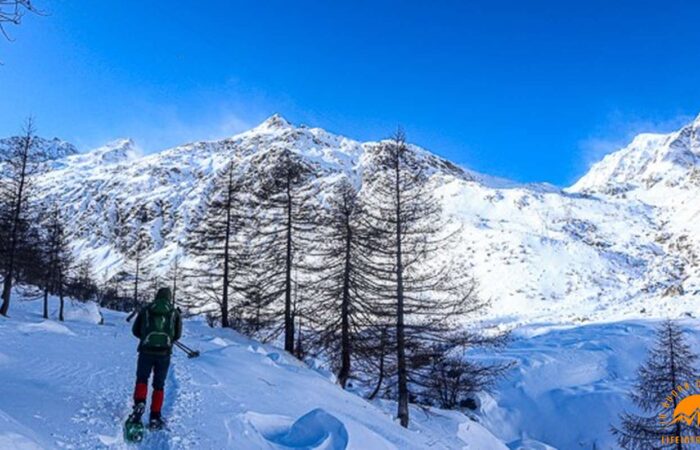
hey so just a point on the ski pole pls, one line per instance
(188, 351)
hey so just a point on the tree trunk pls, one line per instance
(136, 278)
(400, 338)
(60, 296)
(345, 349)
(9, 275)
(224, 296)
(288, 319)
(299, 350)
(380, 379)
(672, 354)
(46, 303)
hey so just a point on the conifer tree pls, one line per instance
(218, 245)
(174, 274)
(60, 259)
(255, 314)
(668, 373)
(425, 295)
(20, 166)
(136, 269)
(285, 221)
(82, 286)
(340, 316)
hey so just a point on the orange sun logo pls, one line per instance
(687, 411)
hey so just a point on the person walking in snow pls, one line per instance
(158, 326)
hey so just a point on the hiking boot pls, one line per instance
(137, 412)
(156, 422)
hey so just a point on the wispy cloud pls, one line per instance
(619, 129)
(156, 122)
(168, 127)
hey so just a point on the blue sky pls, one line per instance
(529, 90)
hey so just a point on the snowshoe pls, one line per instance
(133, 428)
(156, 423)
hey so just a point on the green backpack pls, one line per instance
(158, 326)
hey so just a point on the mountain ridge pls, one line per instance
(539, 252)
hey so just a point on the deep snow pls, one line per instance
(571, 382)
(69, 384)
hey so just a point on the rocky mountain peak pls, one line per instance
(274, 122)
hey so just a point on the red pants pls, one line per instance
(158, 364)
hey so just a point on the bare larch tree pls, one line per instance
(219, 246)
(285, 220)
(425, 294)
(20, 167)
(340, 316)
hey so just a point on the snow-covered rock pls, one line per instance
(51, 149)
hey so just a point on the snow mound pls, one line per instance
(45, 326)
(84, 312)
(476, 434)
(315, 430)
(529, 444)
(220, 342)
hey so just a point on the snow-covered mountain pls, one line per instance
(661, 172)
(618, 245)
(51, 149)
(622, 241)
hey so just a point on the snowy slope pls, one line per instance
(68, 385)
(571, 382)
(661, 172)
(591, 252)
(51, 149)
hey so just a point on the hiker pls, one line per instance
(158, 326)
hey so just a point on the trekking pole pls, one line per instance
(185, 347)
(132, 314)
(194, 352)
(188, 351)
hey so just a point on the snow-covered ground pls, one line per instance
(571, 382)
(68, 385)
